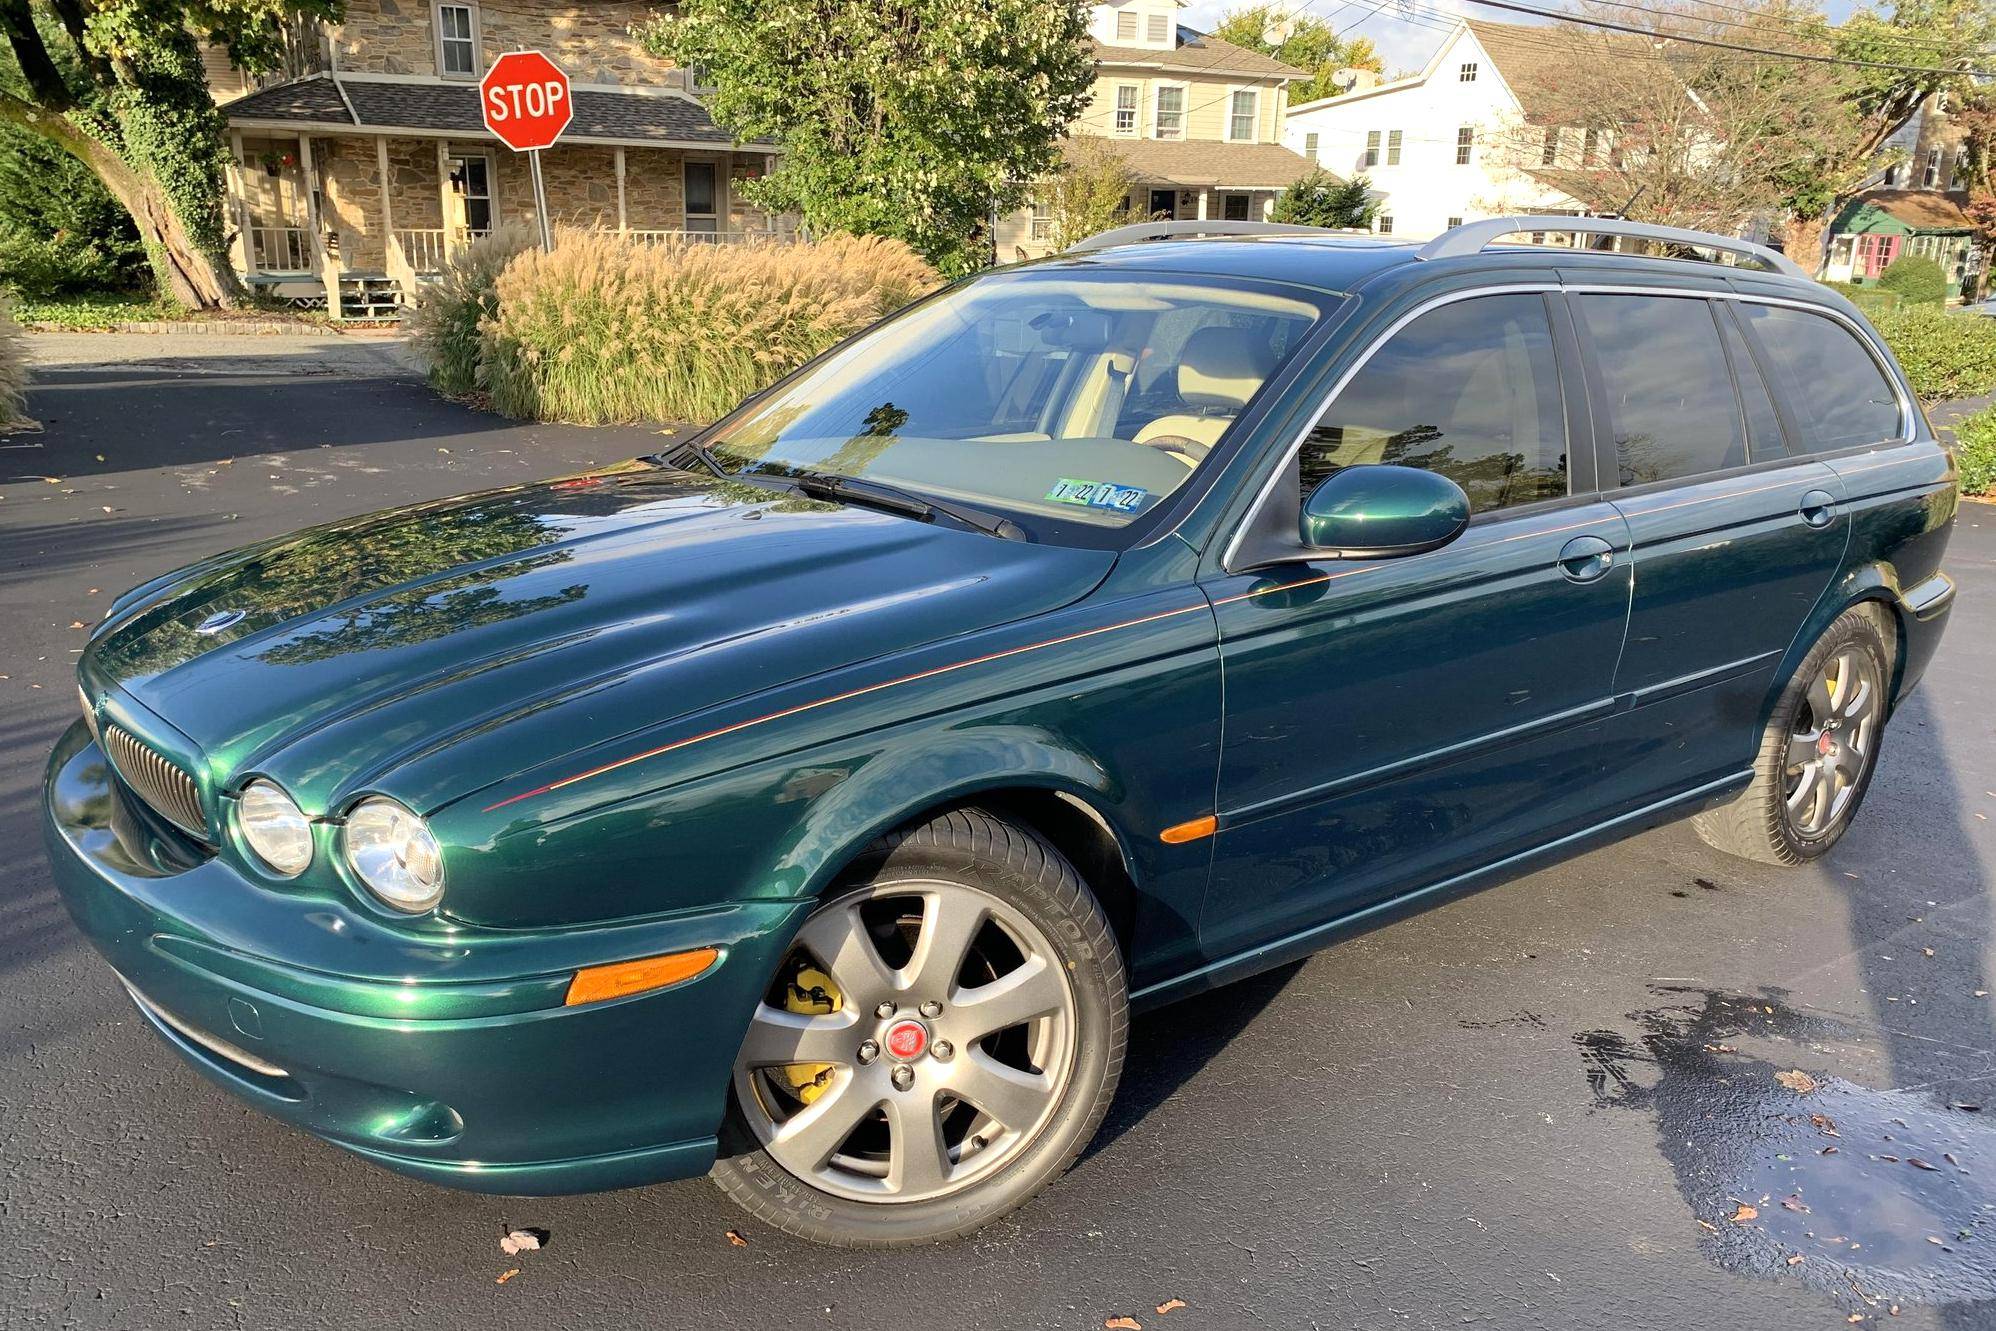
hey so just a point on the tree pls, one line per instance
(909, 118)
(59, 230)
(1321, 199)
(1302, 40)
(119, 85)
(1090, 193)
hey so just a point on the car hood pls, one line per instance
(613, 601)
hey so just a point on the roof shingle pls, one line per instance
(1204, 163)
(1198, 52)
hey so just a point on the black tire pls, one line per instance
(1758, 825)
(983, 851)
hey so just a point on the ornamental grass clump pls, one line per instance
(610, 329)
(13, 368)
(445, 322)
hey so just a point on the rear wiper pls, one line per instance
(893, 499)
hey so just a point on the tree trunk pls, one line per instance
(1804, 243)
(189, 274)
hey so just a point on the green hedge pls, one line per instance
(1872, 300)
(1945, 355)
(1917, 278)
(1975, 451)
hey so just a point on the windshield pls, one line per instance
(1052, 397)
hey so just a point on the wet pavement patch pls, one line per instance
(1876, 1197)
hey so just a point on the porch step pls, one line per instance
(370, 296)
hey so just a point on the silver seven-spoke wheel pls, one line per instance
(933, 1039)
(941, 1040)
(1818, 748)
(1832, 742)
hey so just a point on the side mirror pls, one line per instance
(1376, 511)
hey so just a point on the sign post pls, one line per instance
(527, 102)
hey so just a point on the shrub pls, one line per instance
(1871, 300)
(60, 230)
(445, 322)
(13, 368)
(1975, 451)
(1917, 278)
(1319, 198)
(1944, 355)
(608, 328)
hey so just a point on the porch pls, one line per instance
(373, 213)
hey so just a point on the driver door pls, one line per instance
(1391, 723)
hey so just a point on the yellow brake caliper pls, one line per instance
(810, 993)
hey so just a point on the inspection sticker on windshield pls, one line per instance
(1099, 494)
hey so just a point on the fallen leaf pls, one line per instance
(1744, 1214)
(1936, 1242)
(1795, 1260)
(1888, 1159)
(1949, 1157)
(507, 1276)
(1825, 1124)
(1797, 1081)
(1918, 1163)
(520, 1240)
(737, 1239)
(1927, 951)
(1706, 1224)
(1795, 1204)
(1123, 1324)
(1855, 1317)
(1827, 1150)
(1170, 1306)
(77, 624)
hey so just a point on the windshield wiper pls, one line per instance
(893, 499)
(700, 453)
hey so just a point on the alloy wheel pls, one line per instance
(1833, 742)
(919, 1037)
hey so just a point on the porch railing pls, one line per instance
(703, 237)
(422, 248)
(281, 249)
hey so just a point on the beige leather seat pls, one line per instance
(1218, 371)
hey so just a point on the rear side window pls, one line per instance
(1763, 423)
(1470, 390)
(1671, 407)
(1834, 386)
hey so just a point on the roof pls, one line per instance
(1200, 163)
(623, 117)
(1536, 60)
(1200, 53)
(1915, 209)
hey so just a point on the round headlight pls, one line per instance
(274, 828)
(392, 852)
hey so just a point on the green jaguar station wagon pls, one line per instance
(811, 804)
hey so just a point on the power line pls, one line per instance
(1801, 27)
(1565, 16)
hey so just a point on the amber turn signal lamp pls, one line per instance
(634, 977)
(1180, 833)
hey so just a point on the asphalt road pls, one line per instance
(1541, 1106)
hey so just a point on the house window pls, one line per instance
(1126, 26)
(1549, 155)
(457, 41)
(1932, 175)
(1310, 142)
(1467, 74)
(1392, 147)
(1234, 207)
(1170, 121)
(1590, 143)
(1453, 223)
(1126, 108)
(1958, 178)
(698, 79)
(1371, 155)
(1465, 139)
(1386, 224)
(1041, 227)
(1158, 29)
(1241, 116)
(702, 197)
(1892, 176)
(471, 188)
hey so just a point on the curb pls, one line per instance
(222, 327)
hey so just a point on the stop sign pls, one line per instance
(525, 100)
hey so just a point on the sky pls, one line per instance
(1406, 32)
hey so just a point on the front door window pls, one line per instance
(702, 198)
(471, 186)
(1164, 203)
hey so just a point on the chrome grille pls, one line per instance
(160, 783)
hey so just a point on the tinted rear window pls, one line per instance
(1671, 405)
(1834, 386)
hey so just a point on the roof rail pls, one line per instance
(1167, 229)
(1475, 237)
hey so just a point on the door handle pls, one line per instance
(1818, 507)
(1585, 558)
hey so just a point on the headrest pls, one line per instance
(1222, 367)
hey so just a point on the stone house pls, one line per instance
(367, 164)
(1196, 121)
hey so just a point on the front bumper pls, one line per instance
(453, 1061)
